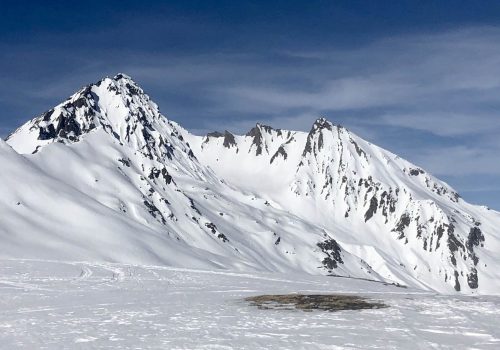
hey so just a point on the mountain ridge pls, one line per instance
(342, 205)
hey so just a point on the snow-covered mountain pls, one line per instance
(105, 176)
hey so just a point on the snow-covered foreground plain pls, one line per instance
(53, 305)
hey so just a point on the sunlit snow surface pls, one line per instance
(57, 305)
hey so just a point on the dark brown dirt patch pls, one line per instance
(310, 302)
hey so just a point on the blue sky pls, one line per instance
(420, 78)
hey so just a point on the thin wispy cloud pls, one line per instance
(461, 160)
(446, 123)
(433, 97)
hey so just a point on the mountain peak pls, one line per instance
(258, 134)
(119, 112)
(123, 76)
(129, 86)
(322, 123)
(117, 105)
(229, 140)
(259, 128)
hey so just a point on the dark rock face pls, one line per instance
(441, 190)
(359, 150)
(454, 244)
(46, 115)
(372, 209)
(308, 146)
(322, 123)
(154, 212)
(457, 283)
(475, 238)
(472, 279)
(125, 162)
(222, 237)
(214, 134)
(333, 251)
(47, 133)
(65, 126)
(280, 152)
(320, 141)
(318, 127)
(387, 203)
(257, 139)
(155, 174)
(166, 176)
(193, 206)
(211, 226)
(466, 249)
(416, 171)
(269, 129)
(229, 140)
(404, 222)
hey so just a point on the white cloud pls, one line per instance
(460, 161)
(445, 123)
(443, 84)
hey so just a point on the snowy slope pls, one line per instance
(76, 305)
(105, 176)
(402, 221)
(45, 217)
(137, 167)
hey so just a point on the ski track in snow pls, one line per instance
(80, 305)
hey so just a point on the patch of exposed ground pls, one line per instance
(307, 302)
